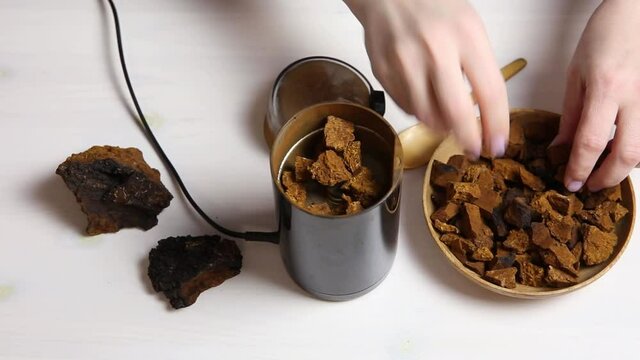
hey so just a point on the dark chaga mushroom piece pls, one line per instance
(115, 188)
(183, 267)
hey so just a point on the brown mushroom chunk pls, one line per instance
(530, 274)
(446, 212)
(558, 278)
(598, 245)
(338, 133)
(443, 174)
(329, 169)
(460, 192)
(302, 165)
(518, 241)
(518, 213)
(502, 277)
(353, 156)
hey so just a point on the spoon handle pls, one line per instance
(419, 142)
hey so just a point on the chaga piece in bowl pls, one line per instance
(183, 267)
(509, 224)
(115, 188)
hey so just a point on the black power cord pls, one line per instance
(271, 237)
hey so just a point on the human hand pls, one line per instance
(603, 88)
(420, 51)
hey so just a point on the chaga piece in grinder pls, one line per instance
(329, 169)
(115, 188)
(338, 133)
(363, 186)
(183, 267)
(302, 168)
(353, 156)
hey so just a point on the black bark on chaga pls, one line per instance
(115, 188)
(183, 267)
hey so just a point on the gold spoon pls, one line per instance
(419, 142)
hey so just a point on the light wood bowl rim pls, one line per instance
(522, 292)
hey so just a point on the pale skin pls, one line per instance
(422, 50)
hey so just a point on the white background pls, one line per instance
(202, 69)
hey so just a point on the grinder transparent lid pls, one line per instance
(315, 80)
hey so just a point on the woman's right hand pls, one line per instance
(421, 50)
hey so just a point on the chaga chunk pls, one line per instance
(302, 166)
(531, 274)
(541, 205)
(338, 133)
(460, 192)
(598, 245)
(482, 254)
(564, 256)
(502, 277)
(183, 267)
(518, 213)
(444, 228)
(329, 169)
(592, 200)
(287, 179)
(458, 244)
(460, 162)
(509, 169)
(599, 217)
(480, 175)
(296, 193)
(560, 203)
(442, 174)
(446, 213)
(496, 223)
(320, 209)
(502, 260)
(616, 211)
(472, 225)
(518, 241)
(530, 180)
(540, 236)
(364, 186)
(115, 188)
(488, 201)
(558, 154)
(353, 207)
(558, 278)
(561, 228)
(477, 266)
(353, 156)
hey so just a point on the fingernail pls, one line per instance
(574, 186)
(498, 144)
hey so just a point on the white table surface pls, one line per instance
(202, 69)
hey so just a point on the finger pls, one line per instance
(490, 92)
(456, 106)
(573, 99)
(412, 69)
(625, 152)
(592, 134)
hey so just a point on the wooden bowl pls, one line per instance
(586, 276)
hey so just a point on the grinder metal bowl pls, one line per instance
(339, 257)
